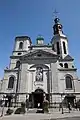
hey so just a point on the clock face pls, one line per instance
(60, 27)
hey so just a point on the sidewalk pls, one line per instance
(40, 116)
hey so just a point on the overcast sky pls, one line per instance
(34, 17)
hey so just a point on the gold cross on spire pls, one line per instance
(55, 13)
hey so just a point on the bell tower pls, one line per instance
(57, 27)
(22, 44)
(59, 40)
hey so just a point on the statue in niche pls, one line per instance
(39, 74)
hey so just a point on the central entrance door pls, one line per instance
(38, 98)
(70, 99)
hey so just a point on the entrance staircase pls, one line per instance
(34, 110)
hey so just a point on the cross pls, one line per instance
(55, 13)
(39, 35)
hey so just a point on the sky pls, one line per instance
(34, 17)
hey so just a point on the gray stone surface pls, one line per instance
(54, 115)
(68, 118)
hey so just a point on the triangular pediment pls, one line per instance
(67, 58)
(34, 54)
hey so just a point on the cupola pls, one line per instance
(40, 40)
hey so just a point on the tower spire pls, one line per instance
(59, 40)
(57, 28)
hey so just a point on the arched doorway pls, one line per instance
(38, 98)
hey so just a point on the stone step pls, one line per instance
(32, 110)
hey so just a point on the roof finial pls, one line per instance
(39, 35)
(55, 13)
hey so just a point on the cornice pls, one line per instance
(43, 59)
(20, 51)
(12, 70)
(15, 57)
(67, 69)
(40, 46)
(62, 60)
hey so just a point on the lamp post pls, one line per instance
(17, 66)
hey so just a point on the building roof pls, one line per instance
(39, 38)
(23, 38)
(67, 58)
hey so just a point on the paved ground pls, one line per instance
(53, 115)
(71, 118)
(38, 117)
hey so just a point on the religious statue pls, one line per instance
(39, 74)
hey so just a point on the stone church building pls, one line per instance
(41, 70)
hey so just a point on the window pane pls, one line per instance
(64, 47)
(11, 82)
(68, 82)
(61, 64)
(58, 49)
(66, 65)
(21, 45)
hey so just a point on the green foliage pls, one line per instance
(9, 111)
(45, 106)
(21, 110)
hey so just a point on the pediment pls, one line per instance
(67, 58)
(39, 54)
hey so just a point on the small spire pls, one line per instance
(55, 13)
(57, 28)
(56, 18)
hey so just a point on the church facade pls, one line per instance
(41, 70)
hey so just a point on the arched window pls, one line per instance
(72, 66)
(61, 64)
(65, 65)
(68, 82)
(64, 47)
(18, 64)
(11, 82)
(19, 53)
(20, 45)
(58, 49)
